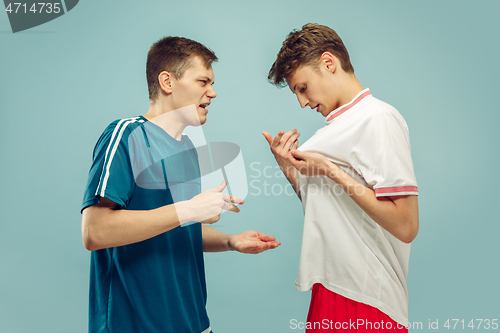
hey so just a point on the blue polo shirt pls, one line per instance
(157, 285)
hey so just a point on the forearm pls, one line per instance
(401, 220)
(215, 241)
(104, 227)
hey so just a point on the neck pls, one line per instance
(349, 89)
(163, 115)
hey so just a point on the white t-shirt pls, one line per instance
(342, 247)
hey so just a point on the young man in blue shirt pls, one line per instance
(142, 205)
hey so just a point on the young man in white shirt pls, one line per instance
(356, 182)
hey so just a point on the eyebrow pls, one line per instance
(295, 86)
(206, 78)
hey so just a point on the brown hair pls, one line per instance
(174, 55)
(305, 47)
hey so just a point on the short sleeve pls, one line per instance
(381, 154)
(111, 175)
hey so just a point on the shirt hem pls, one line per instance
(396, 190)
(354, 296)
(96, 200)
(88, 203)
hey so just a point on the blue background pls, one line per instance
(61, 83)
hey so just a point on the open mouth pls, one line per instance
(204, 106)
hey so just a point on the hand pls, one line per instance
(207, 206)
(252, 242)
(280, 147)
(312, 164)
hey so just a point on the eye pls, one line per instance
(302, 89)
(204, 82)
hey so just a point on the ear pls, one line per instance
(329, 61)
(165, 81)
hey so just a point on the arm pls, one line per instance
(104, 225)
(280, 147)
(214, 241)
(247, 242)
(396, 214)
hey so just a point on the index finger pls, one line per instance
(288, 135)
(220, 188)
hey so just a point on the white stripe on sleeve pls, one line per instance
(109, 158)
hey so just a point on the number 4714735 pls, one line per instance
(474, 324)
(36, 8)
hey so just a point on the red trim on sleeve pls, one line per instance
(396, 189)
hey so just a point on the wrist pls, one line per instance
(287, 169)
(184, 211)
(332, 172)
(230, 246)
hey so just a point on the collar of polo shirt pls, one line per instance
(341, 109)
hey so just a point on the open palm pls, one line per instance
(253, 242)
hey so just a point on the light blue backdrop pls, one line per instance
(61, 83)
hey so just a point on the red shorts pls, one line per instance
(330, 312)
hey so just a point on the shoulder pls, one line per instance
(118, 131)
(121, 128)
(124, 125)
(380, 113)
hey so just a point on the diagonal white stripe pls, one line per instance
(107, 151)
(115, 147)
(109, 158)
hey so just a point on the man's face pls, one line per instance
(314, 89)
(194, 88)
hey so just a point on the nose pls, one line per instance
(211, 92)
(302, 101)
